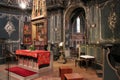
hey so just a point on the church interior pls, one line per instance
(59, 40)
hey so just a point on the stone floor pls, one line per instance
(89, 74)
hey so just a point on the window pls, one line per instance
(78, 24)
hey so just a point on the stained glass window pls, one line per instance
(78, 24)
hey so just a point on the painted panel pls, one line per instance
(27, 33)
(93, 24)
(91, 50)
(110, 14)
(99, 55)
(4, 19)
(106, 33)
(83, 48)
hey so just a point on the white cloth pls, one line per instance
(87, 56)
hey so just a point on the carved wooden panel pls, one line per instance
(39, 8)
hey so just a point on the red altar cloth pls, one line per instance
(43, 57)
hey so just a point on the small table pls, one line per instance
(73, 76)
(87, 58)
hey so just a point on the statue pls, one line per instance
(62, 53)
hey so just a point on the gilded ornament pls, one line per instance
(112, 19)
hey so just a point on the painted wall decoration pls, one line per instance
(110, 22)
(9, 27)
(27, 33)
(41, 32)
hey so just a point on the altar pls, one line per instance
(34, 59)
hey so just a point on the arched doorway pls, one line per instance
(75, 28)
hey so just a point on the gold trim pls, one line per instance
(112, 19)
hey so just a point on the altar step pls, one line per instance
(2, 60)
(19, 75)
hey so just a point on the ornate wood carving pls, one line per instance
(112, 19)
(39, 9)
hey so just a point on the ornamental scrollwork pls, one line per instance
(112, 19)
(10, 28)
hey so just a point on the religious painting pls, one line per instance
(41, 33)
(27, 33)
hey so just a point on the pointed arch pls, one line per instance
(70, 14)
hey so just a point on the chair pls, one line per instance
(79, 60)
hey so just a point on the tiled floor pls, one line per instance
(88, 74)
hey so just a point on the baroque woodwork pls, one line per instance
(39, 23)
(53, 20)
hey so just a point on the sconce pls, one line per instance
(61, 44)
(55, 29)
(98, 42)
(93, 25)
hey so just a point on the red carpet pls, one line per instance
(21, 71)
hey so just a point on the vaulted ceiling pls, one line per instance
(50, 3)
(15, 3)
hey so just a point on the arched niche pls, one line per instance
(70, 35)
